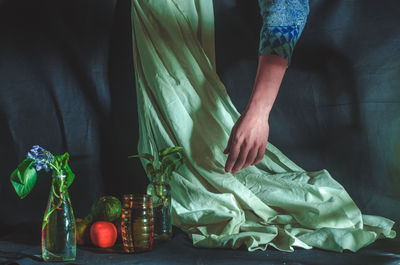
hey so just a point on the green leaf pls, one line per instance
(24, 178)
(169, 151)
(64, 160)
(178, 163)
(149, 157)
(170, 165)
(61, 162)
(167, 164)
(69, 174)
(57, 161)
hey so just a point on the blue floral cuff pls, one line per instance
(283, 22)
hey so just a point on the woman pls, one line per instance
(181, 101)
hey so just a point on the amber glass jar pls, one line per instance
(137, 227)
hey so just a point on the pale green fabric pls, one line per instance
(181, 101)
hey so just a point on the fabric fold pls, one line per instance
(181, 101)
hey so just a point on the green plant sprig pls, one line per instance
(160, 170)
(24, 177)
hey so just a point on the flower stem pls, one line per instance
(50, 164)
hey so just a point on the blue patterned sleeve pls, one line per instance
(283, 22)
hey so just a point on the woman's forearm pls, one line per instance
(270, 72)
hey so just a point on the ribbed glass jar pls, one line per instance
(137, 225)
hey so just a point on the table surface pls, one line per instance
(21, 246)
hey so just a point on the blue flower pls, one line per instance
(42, 156)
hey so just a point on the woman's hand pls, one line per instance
(249, 135)
(248, 140)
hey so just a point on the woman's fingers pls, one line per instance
(246, 144)
(228, 145)
(233, 155)
(241, 159)
(260, 155)
(250, 157)
(233, 133)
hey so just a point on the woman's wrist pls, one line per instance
(260, 106)
(270, 72)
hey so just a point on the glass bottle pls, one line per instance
(137, 223)
(58, 229)
(160, 192)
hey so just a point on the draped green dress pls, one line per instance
(182, 102)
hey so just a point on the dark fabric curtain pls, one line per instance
(67, 84)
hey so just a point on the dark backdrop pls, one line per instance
(67, 84)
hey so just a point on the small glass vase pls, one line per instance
(58, 229)
(160, 192)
